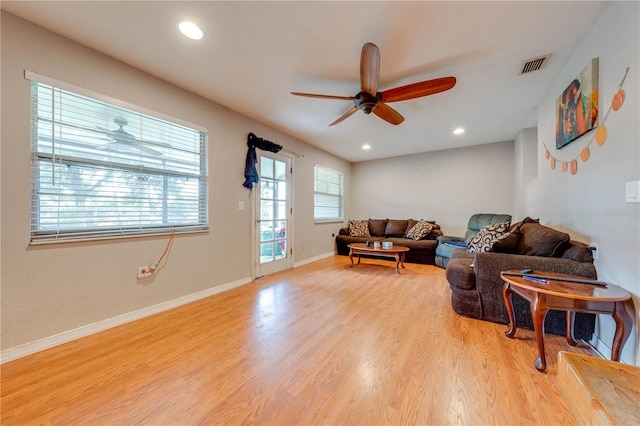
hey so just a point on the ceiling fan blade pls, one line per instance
(388, 114)
(370, 68)
(148, 150)
(417, 90)
(313, 95)
(345, 115)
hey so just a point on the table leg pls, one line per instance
(571, 316)
(397, 263)
(539, 309)
(402, 260)
(624, 323)
(351, 257)
(506, 295)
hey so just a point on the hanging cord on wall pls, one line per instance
(154, 266)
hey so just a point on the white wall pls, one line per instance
(446, 186)
(53, 289)
(525, 168)
(591, 204)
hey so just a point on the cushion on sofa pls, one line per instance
(538, 240)
(516, 226)
(377, 227)
(486, 236)
(435, 233)
(395, 228)
(507, 243)
(359, 228)
(577, 251)
(420, 230)
(412, 222)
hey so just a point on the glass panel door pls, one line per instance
(274, 215)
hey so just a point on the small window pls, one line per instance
(327, 197)
(100, 170)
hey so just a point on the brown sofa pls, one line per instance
(395, 230)
(474, 278)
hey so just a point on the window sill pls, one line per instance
(111, 238)
(318, 222)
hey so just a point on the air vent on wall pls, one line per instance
(535, 64)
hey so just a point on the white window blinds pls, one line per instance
(101, 170)
(328, 192)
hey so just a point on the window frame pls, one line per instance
(340, 196)
(197, 203)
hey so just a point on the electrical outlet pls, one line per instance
(144, 271)
(633, 191)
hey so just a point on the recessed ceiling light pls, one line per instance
(366, 147)
(458, 131)
(191, 30)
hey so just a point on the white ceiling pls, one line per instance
(255, 53)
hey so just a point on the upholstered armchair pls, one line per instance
(447, 243)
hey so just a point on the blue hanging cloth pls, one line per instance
(250, 171)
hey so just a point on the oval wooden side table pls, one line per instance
(571, 297)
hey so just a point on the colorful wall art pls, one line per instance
(577, 106)
(600, 136)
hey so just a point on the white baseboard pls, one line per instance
(313, 259)
(86, 330)
(602, 348)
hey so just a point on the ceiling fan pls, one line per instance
(125, 142)
(370, 100)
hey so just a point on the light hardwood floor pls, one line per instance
(320, 344)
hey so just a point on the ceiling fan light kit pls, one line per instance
(369, 100)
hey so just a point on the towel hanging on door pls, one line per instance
(250, 171)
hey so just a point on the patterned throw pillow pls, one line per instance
(420, 230)
(359, 228)
(486, 236)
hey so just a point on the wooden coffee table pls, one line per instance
(395, 251)
(571, 297)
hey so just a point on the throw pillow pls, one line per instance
(486, 236)
(539, 240)
(516, 226)
(412, 222)
(578, 251)
(359, 228)
(507, 243)
(420, 230)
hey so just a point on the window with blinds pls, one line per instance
(101, 170)
(327, 197)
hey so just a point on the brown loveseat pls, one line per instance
(395, 230)
(476, 286)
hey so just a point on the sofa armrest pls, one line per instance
(443, 239)
(343, 231)
(488, 265)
